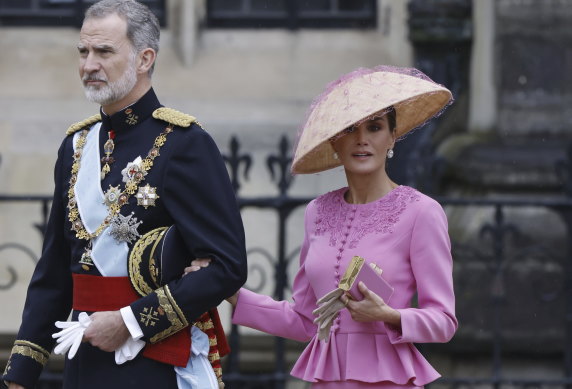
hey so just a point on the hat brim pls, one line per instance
(415, 101)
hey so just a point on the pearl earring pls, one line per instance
(390, 153)
(336, 156)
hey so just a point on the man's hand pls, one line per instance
(107, 331)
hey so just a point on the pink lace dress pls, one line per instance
(404, 233)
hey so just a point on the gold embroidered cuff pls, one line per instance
(31, 350)
(174, 314)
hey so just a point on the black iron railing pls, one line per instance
(514, 290)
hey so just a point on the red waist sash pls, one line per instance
(95, 293)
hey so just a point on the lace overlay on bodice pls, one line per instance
(335, 215)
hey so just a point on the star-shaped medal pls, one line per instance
(111, 196)
(134, 171)
(146, 196)
(124, 228)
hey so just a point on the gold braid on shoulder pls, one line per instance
(173, 116)
(84, 123)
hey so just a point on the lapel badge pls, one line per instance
(132, 119)
(111, 196)
(124, 228)
(134, 171)
(146, 196)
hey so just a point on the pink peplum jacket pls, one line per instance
(404, 233)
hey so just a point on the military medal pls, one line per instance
(108, 148)
(133, 174)
(146, 196)
(124, 228)
(111, 196)
(134, 171)
(86, 260)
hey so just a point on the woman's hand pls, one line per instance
(371, 308)
(197, 265)
(233, 299)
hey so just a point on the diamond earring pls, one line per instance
(390, 153)
(336, 156)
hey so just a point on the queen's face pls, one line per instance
(363, 148)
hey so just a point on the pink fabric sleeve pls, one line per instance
(434, 320)
(281, 318)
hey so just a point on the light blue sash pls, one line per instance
(109, 256)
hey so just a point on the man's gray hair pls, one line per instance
(143, 29)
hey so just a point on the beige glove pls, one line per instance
(328, 308)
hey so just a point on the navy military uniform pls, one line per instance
(186, 185)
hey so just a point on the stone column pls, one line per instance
(482, 101)
(184, 20)
(441, 34)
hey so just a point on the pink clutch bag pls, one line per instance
(358, 270)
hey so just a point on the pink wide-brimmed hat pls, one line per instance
(358, 95)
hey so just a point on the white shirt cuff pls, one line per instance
(131, 323)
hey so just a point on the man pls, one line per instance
(121, 179)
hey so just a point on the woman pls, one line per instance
(355, 123)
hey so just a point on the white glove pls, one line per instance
(72, 334)
(70, 337)
(328, 308)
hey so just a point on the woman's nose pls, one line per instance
(360, 136)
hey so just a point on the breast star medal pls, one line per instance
(146, 196)
(111, 196)
(124, 228)
(134, 171)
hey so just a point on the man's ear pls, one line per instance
(146, 60)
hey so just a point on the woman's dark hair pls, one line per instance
(391, 118)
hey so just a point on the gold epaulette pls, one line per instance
(173, 116)
(84, 123)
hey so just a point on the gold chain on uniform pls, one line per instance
(130, 187)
